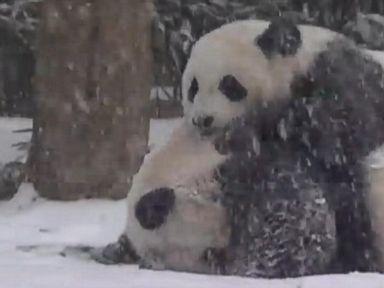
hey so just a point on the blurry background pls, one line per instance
(178, 24)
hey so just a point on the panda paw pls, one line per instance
(152, 263)
(241, 136)
(237, 140)
(116, 253)
(216, 259)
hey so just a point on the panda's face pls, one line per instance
(243, 63)
(174, 212)
(217, 91)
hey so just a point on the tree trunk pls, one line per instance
(93, 84)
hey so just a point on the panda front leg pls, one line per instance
(216, 259)
(281, 222)
(119, 252)
(152, 260)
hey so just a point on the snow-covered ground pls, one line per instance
(33, 232)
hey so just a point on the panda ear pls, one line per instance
(282, 37)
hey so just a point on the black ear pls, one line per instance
(282, 37)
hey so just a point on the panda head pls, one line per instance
(174, 209)
(243, 63)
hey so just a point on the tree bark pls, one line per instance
(93, 80)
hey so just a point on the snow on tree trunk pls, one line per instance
(93, 80)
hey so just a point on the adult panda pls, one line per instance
(298, 196)
(174, 210)
(178, 215)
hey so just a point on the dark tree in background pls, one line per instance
(93, 79)
(178, 24)
(17, 31)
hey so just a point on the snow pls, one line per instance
(33, 232)
(161, 93)
(160, 131)
(9, 138)
(376, 55)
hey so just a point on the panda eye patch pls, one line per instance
(232, 88)
(193, 89)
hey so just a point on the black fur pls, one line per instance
(281, 38)
(203, 122)
(232, 88)
(217, 259)
(153, 208)
(121, 251)
(193, 89)
(306, 174)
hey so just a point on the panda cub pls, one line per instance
(308, 109)
(269, 175)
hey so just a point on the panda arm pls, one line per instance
(296, 232)
(121, 251)
(283, 227)
(278, 211)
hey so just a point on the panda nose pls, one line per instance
(203, 122)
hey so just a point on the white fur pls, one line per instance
(186, 164)
(231, 50)
(375, 172)
(375, 169)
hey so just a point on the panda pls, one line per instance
(270, 174)
(174, 213)
(309, 104)
(177, 220)
(228, 71)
